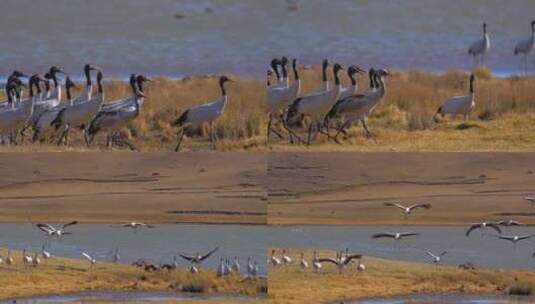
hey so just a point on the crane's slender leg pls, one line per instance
(309, 133)
(270, 119)
(179, 139)
(368, 133)
(212, 138)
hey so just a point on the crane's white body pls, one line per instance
(206, 113)
(317, 104)
(17, 116)
(462, 105)
(279, 97)
(80, 113)
(118, 117)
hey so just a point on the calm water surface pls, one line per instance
(449, 299)
(176, 38)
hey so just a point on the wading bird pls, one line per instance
(57, 232)
(482, 226)
(206, 113)
(514, 238)
(315, 105)
(525, 47)
(459, 105)
(436, 258)
(136, 225)
(275, 261)
(479, 48)
(92, 261)
(407, 210)
(303, 264)
(316, 265)
(197, 259)
(341, 261)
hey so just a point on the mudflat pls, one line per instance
(351, 188)
(156, 187)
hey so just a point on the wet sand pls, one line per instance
(350, 188)
(114, 187)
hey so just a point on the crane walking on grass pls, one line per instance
(206, 113)
(463, 105)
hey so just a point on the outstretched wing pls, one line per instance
(70, 224)
(383, 235)
(87, 256)
(46, 228)
(472, 228)
(204, 257)
(351, 257)
(395, 205)
(425, 206)
(443, 253)
(409, 234)
(328, 260)
(524, 237)
(429, 253)
(187, 257)
(495, 227)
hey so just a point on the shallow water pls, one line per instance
(159, 244)
(123, 297)
(483, 250)
(448, 299)
(177, 38)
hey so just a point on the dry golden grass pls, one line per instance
(62, 275)
(502, 120)
(383, 278)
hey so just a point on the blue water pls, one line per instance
(178, 38)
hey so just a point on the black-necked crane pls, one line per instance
(197, 259)
(9, 259)
(286, 259)
(525, 46)
(52, 231)
(459, 105)
(509, 223)
(514, 239)
(236, 265)
(407, 210)
(45, 254)
(315, 105)
(275, 261)
(479, 48)
(396, 236)
(333, 114)
(482, 226)
(206, 113)
(26, 258)
(359, 107)
(78, 112)
(340, 261)
(14, 117)
(279, 97)
(36, 261)
(221, 269)
(92, 260)
(136, 225)
(436, 258)
(303, 264)
(112, 120)
(316, 265)
(45, 122)
(52, 98)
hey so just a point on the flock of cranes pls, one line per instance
(225, 267)
(48, 111)
(343, 259)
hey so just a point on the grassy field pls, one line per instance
(384, 278)
(62, 275)
(502, 121)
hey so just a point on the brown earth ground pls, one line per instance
(64, 276)
(120, 186)
(384, 278)
(351, 188)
